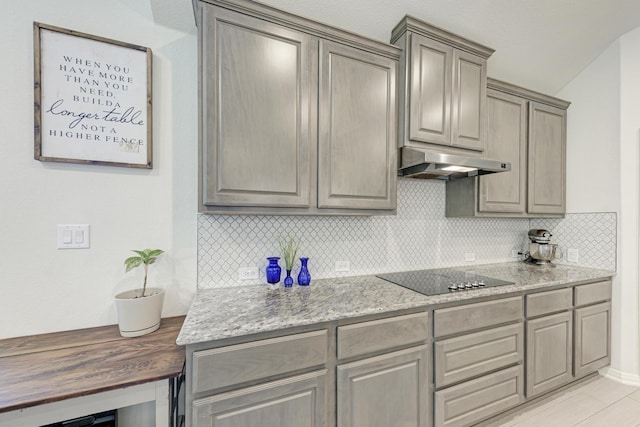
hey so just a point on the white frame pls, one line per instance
(92, 99)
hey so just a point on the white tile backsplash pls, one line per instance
(419, 236)
(593, 235)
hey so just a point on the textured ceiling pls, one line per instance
(540, 44)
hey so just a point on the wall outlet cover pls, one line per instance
(248, 273)
(573, 255)
(342, 266)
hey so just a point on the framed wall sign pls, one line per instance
(92, 99)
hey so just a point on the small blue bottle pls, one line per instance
(288, 281)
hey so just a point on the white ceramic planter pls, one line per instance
(141, 315)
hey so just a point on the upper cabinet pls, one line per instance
(527, 129)
(296, 117)
(547, 158)
(257, 90)
(507, 119)
(357, 123)
(443, 89)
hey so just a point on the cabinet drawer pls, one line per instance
(470, 402)
(469, 317)
(236, 364)
(460, 358)
(383, 334)
(549, 302)
(594, 292)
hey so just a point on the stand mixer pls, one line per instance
(541, 251)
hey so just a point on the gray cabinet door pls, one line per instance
(431, 74)
(507, 141)
(549, 352)
(258, 96)
(447, 95)
(293, 402)
(592, 338)
(469, 101)
(547, 159)
(357, 129)
(383, 391)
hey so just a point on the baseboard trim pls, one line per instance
(621, 377)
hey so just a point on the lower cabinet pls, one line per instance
(592, 338)
(382, 373)
(383, 391)
(279, 381)
(549, 352)
(292, 402)
(454, 366)
(365, 374)
(477, 374)
(568, 335)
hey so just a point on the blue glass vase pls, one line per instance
(304, 278)
(273, 270)
(288, 281)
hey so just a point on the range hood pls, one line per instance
(424, 164)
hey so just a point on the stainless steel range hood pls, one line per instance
(424, 164)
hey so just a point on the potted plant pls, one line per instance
(139, 310)
(289, 249)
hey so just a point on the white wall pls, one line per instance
(45, 289)
(629, 202)
(602, 175)
(593, 152)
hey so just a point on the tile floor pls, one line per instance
(599, 402)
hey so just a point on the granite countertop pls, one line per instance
(244, 310)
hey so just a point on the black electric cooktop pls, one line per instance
(441, 281)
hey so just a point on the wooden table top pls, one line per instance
(48, 368)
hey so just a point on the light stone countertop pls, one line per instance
(244, 310)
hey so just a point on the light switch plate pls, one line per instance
(73, 236)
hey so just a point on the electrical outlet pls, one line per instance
(514, 253)
(573, 255)
(469, 257)
(342, 266)
(248, 273)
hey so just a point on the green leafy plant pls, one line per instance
(289, 248)
(145, 257)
